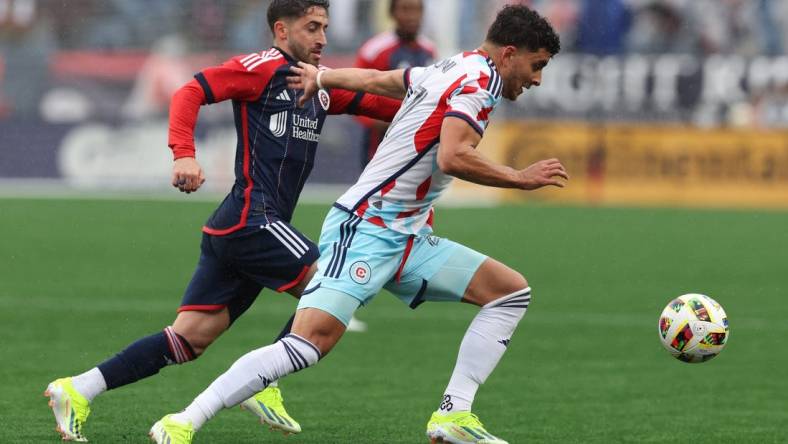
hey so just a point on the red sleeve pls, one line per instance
(361, 62)
(184, 110)
(241, 78)
(362, 104)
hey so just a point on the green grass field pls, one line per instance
(81, 279)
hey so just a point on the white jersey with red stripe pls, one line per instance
(400, 184)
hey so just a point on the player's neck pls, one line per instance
(493, 51)
(406, 37)
(284, 47)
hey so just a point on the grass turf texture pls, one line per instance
(80, 279)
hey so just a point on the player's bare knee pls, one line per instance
(322, 337)
(318, 327)
(493, 280)
(200, 329)
(518, 281)
(199, 343)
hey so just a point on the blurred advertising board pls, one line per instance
(623, 164)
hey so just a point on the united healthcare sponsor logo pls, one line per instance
(304, 128)
(360, 272)
(278, 124)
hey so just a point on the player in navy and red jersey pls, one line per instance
(248, 243)
(400, 48)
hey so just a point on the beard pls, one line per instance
(303, 53)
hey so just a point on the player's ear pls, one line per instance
(280, 30)
(508, 52)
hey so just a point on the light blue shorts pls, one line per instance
(358, 258)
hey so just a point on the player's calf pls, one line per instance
(484, 344)
(250, 374)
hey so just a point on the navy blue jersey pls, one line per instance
(277, 140)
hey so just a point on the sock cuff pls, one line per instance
(179, 346)
(305, 342)
(302, 353)
(520, 298)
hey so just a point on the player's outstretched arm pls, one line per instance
(383, 83)
(458, 157)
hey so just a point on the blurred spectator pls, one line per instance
(208, 24)
(603, 26)
(660, 27)
(26, 43)
(400, 48)
(164, 71)
(728, 26)
(563, 15)
(248, 29)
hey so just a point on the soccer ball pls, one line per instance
(693, 328)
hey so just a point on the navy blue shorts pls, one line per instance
(234, 269)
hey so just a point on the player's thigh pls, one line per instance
(301, 286)
(215, 296)
(356, 259)
(437, 269)
(442, 270)
(492, 281)
(276, 256)
(321, 328)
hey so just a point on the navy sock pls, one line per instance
(286, 330)
(145, 358)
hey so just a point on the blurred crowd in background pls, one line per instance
(34, 32)
(747, 27)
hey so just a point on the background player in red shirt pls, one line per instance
(400, 48)
(248, 243)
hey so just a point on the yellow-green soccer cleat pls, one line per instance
(459, 428)
(269, 407)
(70, 408)
(169, 431)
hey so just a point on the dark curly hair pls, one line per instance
(519, 26)
(280, 9)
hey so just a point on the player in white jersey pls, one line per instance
(379, 233)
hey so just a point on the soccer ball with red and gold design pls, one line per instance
(693, 328)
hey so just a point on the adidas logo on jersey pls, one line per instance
(284, 96)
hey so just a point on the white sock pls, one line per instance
(251, 373)
(204, 407)
(482, 347)
(90, 384)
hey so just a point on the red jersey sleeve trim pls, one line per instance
(209, 97)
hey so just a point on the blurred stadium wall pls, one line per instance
(667, 102)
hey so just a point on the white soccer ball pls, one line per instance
(693, 328)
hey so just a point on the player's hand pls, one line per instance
(543, 173)
(305, 80)
(187, 174)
